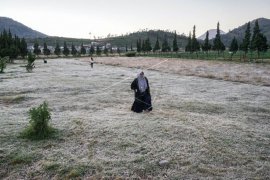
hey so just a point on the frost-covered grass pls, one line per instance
(203, 127)
(251, 73)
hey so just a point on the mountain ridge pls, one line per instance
(21, 30)
(239, 32)
(130, 39)
(212, 34)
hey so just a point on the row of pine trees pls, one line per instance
(257, 42)
(145, 45)
(252, 42)
(12, 46)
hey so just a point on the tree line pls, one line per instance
(255, 42)
(145, 45)
(252, 42)
(12, 46)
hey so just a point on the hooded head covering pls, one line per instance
(142, 82)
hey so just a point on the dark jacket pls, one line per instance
(135, 87)
(142, 100)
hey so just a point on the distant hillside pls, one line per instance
(239, 32)
(212, 34)
(19, 29)
(118, 41)
(132, 38)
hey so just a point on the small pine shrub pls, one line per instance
(39, 127)
(131, 54)
(3, 63)
(30, 62)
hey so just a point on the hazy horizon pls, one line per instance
(86, 19)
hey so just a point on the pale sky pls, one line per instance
(89, 18)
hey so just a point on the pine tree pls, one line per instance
(147, 45)
(139, 45)
(165, 45)
(66, 50)
(195, 46)
(37, 51)
(218, 45)
(57, 50)
(206, 46)
(143, 46)
(10, 40)
(258, 41)
(118, 50)
(246, 41)
(188, 46)
(234, 47)
(46, 51)
(83, 50)
(111, 50)
(105, 51)
(92, 50)
(175, 46)
(23, 48)
(98, 51)
(73, 50)
(157, 47)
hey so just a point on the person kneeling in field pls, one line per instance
(141, 88)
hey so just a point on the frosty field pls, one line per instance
(203, 125)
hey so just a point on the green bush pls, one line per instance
(39, 127)
(131, 54)
(30, 62)
(3, 63)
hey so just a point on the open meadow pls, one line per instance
(209, 120)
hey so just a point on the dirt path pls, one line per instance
(204, 128)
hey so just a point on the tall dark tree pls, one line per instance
(246, 41)
(23, 48)
(105, 50)
(126, 48)
(195, 46)
(206, 46)
(143, 46)
(73, 50)
(233, 47)
(157, 46)
(92, 50)
(13, 52)
(111, 50)
(37, 50)
(98, 51)
(57, 50)
(131, 47)
(82, 50)
(258, 41)
(46, 51)
(165, 45)
(66, 50)
(175, 46)
(188, 46)
(139, 45)
(118, 50)
(148, 46)
(10, 40)
(218, 45)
